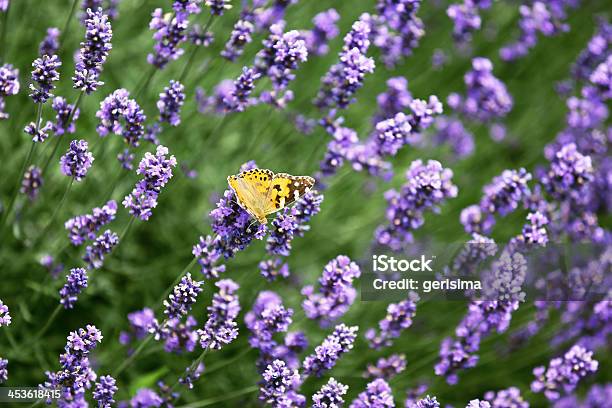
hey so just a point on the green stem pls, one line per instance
(59, 138)
(133, 356)
(226, 397)
(126, 229)
(193, 367)
(148, 79)
(3, 33)
(177, 280)
(195, 50)
(67, 23)
(55, 213)
(50, 320)
(255, 139)
(9, 208)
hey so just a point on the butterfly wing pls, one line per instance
(251, 188)
(285, 189)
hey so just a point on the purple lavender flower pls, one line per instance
(482, 318)
(188, 6)
(602, 78)
(510, 397)
(50, 44)
(271, 269)
(330, 395)
(487, 97)
(344, 79)
(39, 134)
(330, 350)
(3, 370)
(84, 227)
(395, 99)
(62, 114)
(221, 327)
(208, 252)
(564, 373)
(233, 224)
(239, 38)
(279, 385)
(284, 227)
(280, 56)
(505, 279)
(105, 391)
(325, 29)
(54, 268)
(478, 404)
(544, 17)
(336, 293)
(31, 183)
(77, 160)
(44, 75)
(108, 6)
(146, 398)
(427, 186)
(122, 116)
(156, 171)
(570, 175)
(94, 51)
(5, 317)
(9, 85)
(178, 336)
(504, 194)
(399, 317)
(427, 402)
(218, 7)
(76, 281)
(242, 89)
(4, 5)
(183, 296)
(126, 157)
(377, 394)
(534, 233)
(198, 37)
(141, 323)
(170, 103)
(387, 368)
(170, 32)
(451, 131)
(103, 245)
(267, 317)
(465, 18)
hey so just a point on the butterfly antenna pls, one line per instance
(251, 224)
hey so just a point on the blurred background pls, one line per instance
(156, 251)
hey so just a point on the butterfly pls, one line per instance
(261, 192)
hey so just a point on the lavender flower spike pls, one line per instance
(76, 281)
(103, 245)
(377, 394)
(44, 75)
(3, 370)
(182, 297)
(217, 7)
(221, 327)
(5, 317)
(170, 32)
(50, 44)
(564, 373)
(9, 85)
(156, 171)
(329, 351)
(31, 183)
(77, 160)
(94, 51)
(104, 391)
(279, 384)
(330, 395)
(170, 103)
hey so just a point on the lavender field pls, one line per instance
(133, 275)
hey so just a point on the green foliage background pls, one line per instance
(155, 252)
